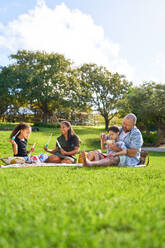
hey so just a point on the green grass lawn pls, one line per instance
(81, 207)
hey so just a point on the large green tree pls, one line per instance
(102, 89)
(42, 79)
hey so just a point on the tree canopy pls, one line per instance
(103, 89)
(147, 102)
(47, 82)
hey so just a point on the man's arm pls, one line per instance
(131, 152)
(122, 152)
(135, 144)
(114, 147)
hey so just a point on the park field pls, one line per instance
(61, 207)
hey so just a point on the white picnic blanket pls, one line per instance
(50, 165)
(39, 165)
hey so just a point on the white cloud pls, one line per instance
(65, 31)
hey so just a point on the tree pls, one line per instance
(42, 79)
(102, 89)
(8, 98)
(147, 102)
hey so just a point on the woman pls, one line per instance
(67, 145)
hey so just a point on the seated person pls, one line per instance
(133, 140)
(112, 138)
(67, 145)
(18, 139)
(106, 140)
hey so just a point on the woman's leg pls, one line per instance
(66, 161)
(53, 159)
(109, 161)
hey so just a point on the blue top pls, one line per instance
(133, 139)
(119, 144)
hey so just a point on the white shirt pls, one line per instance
(123, 135)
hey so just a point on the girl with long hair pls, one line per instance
(18, 139)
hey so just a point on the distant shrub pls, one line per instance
(150, 139)
(48, 125)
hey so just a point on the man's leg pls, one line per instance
(109, 161)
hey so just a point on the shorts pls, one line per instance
(122, 160)
(36, 158)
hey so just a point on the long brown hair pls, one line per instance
(19, 127)
(71, 132)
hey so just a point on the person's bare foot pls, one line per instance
(85, 160)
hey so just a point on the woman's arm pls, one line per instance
(73, 152)
(50, 151)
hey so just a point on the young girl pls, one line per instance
(113, 158)
(18, 139)
(67, 145)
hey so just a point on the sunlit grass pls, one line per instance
(81, 207)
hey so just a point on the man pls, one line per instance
(133, 140)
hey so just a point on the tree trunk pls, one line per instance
(45, 117)
(106, 121)
(161, 135)
(45, 112)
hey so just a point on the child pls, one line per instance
(117, 158)
(18, 139)
(112, 138)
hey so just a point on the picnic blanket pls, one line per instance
(24, 165)
(39, 165)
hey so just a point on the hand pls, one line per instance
(112, 155)
(45, 148)
(113, 147)
(132, 152)
(102, 136)
(63, 152)
(32, 149)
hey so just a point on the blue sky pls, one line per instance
(124, 35)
